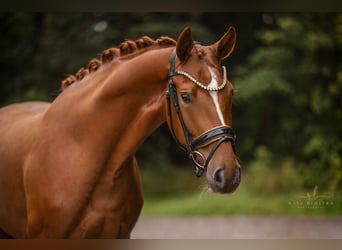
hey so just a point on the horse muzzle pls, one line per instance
(224, 181)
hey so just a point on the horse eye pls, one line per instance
(185, 97)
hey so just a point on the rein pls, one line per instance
(216, 135)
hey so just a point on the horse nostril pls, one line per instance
(219, 178)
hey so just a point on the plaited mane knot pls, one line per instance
(81, 73)
(94, 64)
(127, 47)
(68, 81)
(144, 42)
(166, 41)
(110, 54)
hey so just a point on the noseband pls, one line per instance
(216, 135)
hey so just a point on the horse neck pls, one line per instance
(120, 106)
(135, 93)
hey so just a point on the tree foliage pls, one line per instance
(290, 89)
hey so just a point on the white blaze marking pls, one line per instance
(214, 94)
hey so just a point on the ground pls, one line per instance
(238, 227)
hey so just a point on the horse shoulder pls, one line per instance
(17, 125)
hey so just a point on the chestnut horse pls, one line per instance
(68, 168)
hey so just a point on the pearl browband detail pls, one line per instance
(201, 85)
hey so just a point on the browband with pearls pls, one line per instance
(201, 85)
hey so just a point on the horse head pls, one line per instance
(199, 99)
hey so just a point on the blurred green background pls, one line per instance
(287, 112)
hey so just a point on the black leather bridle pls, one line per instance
(216, 135)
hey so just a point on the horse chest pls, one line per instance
(114, 222)
(112, 212)
(98, 208)
(104, 224)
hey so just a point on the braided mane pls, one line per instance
(108, 55)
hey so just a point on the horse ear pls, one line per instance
(185, 42)
(225, 46)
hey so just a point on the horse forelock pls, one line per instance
(127, 47)
(199, 51)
